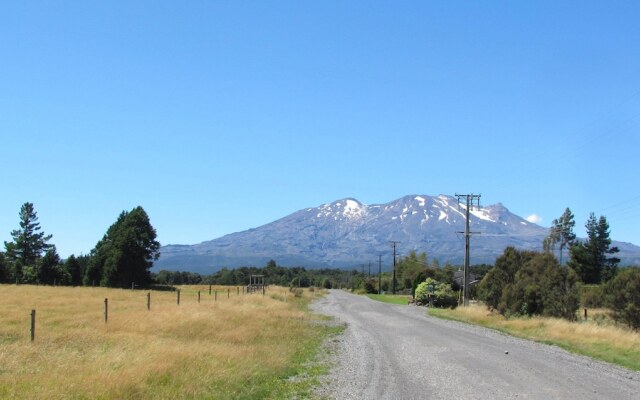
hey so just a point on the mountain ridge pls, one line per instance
(348, 233)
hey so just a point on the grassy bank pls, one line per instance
(597, 337)
(390, 298)
(238, 347)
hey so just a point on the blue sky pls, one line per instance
(218, 117)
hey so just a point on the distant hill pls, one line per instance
(347, 233)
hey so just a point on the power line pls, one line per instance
(470, 200)
(379, 273)
(393, 283)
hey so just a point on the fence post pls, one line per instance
(215, 295)
(262, 290)
(228, 292)
(585, 314)
(209, 289)
(198, 296)
(106, 310)
(178, 296)
(238, 291)
(149, 301)
(33, 325)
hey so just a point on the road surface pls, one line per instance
(398, 352)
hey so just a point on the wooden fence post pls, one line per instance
(178, 296)
(209, 290)
(228, 292)
(198, 296)
(215, 295)
(149, 301)
(238, 290)
(585, 314)
(106, 310)
(33, 325)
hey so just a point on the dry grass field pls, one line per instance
(597, 337)
(243, 346)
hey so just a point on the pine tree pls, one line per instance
(590, 259)
(28, 242)
(126, 253)
(561, 232)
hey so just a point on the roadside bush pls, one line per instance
(592, 296)
(529, 283)
(326, 283)
(490, 289)
(622, 295)
(422, 291)
(443, 294)
(370, 286)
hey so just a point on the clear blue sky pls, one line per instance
(218, 117)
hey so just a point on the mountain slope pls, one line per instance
(347, 233)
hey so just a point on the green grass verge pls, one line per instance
(390, 298)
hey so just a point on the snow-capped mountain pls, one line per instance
(347, 233)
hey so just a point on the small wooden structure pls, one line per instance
(256, 283)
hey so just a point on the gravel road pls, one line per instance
(398, 352)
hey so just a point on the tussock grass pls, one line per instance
(238, 347)
(597, 337)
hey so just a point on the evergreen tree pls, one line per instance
(561, 232)
(590, 259)
(5, 273)
(75, 270)
(49, 269)
(126, 253)
(28, 242)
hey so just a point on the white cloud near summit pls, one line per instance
(534, 218)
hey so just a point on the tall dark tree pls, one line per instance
(51, 270)
(5, 273)
(28, 242)
(126, 253)
(591, 259)
(561, 233)
(74, 267)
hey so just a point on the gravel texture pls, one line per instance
(398, 352)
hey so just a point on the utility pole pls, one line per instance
(379, 273)
(393, 283)
(369, 273)
(470, 199)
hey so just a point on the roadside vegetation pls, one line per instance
(390, 298)
(238, 347)
(598, 337)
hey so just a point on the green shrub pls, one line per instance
(422, 291)
(622, 295)
(370, 286)
(443, 294)
(445, 297)
(592, 296)
(326, 283)
(529, 283)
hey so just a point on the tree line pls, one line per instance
(122, 258)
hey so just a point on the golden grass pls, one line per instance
(237, 347)
(605, 341)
